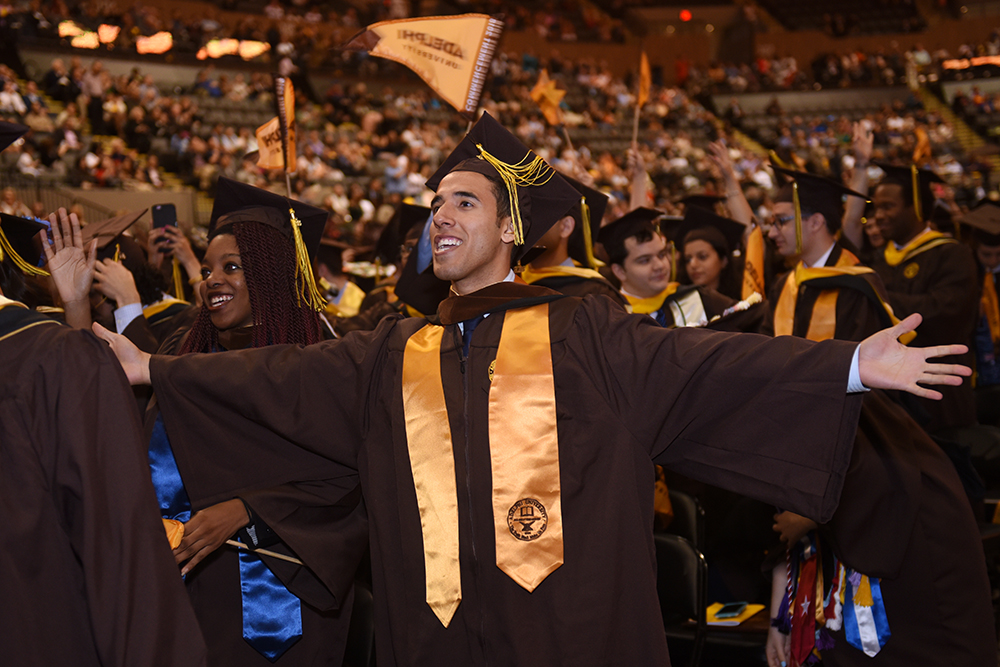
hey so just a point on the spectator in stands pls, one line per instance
(58, 84)
(11, 205)
(39, 120)
(11, 100)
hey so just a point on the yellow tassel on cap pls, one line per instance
(7, 250)
(308, 291)
(588, 237)
(178, 278)
(798, 217)
(524, 173)
(916, 192)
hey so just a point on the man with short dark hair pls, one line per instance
(505, 447)
(927, 272)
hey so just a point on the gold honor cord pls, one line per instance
(588, 236)
(178, 279)
(525, 174)
(432, 464)
(7, 250)
(917, 208)
(307, 289)
(991, 308)
(524, 450)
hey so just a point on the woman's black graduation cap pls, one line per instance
(539, 195)
(612, 235)
(11, 132)
(19, 245)
(588, 213)
(913, 179)
(704, 201)
(985, 219)
(301, 223)
(700, 220)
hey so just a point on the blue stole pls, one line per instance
(272, 615)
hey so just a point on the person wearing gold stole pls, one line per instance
(930, 273)
(506, 444)
(904, 525)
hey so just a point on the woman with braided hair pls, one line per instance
(254, 609)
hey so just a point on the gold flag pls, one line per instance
(753, 267)
(270, 135)
(452, 54)
(645, 79)
(548, 97)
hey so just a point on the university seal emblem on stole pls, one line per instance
(493, 367)
(527, 519)
(911, 270)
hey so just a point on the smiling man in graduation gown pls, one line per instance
(927, 272)
(85, 570)
(505, 448)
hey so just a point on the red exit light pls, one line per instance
(685, 15)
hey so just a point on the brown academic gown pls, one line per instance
(628, 394)
(857, 315)
(86, 574)
(904, 517)
(940, 284)
(581, 287)
(322, 522)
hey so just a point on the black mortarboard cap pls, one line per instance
(111, 244)
(706, 225)
(331, 253)
(19, 245)
(541, 196)
(588, 222)
(701, 201)
(238, 202)
(985, 219)
(10, 132)
(816, 193)
(919, 180)
(407, 216)
(613, 235)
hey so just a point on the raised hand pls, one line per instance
(862, 141)
(72, 269)
(134, 361)
(885, 363)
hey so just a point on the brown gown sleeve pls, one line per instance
(139, 610)
(727, 409)
(141, 334)
(290, 413)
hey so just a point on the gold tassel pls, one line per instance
(178, 278)
(307, 290)
(588, 237)
(673, 262)
(778, 161)
(7, 250)
(798, 217)
(915, 173)
(532, 173)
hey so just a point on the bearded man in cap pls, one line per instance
(505, 446)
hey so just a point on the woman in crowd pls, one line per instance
(252, 289)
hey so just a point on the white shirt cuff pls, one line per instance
(854, 384)
(128, 312)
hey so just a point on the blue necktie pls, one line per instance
(272, 615)
(468, 326)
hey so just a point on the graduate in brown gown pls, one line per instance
(85, 570)
(640, 259)
(251, 298)
(903, 518)
(932, 274)
(567, 264)
(506, 459)
(828, 294)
